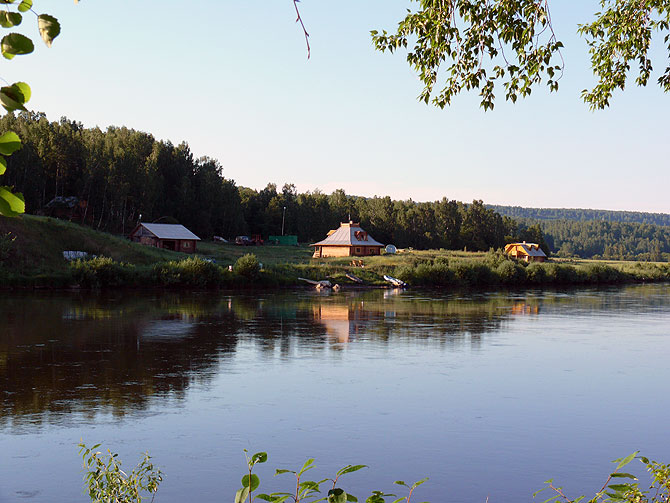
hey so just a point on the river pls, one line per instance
(486, 393)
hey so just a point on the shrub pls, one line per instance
(6, 245)
(536, 273)
(511, 273)
(192, 271)
(247, 266)
(100, 272)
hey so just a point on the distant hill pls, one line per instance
(583, 215)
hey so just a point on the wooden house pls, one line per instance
(530, 252)
(347, 241)
(173, 237)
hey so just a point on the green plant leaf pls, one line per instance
(252, 482)
(350, 469)
(337, 495)
(9, 143)
(259, 457)
(623, 475)
(12, 98)
(419, 482)
(10, 19)
(25, 5)
(624, 461)
(401, 483)
(49, 28)
(3, 165)
(352, 498)
(279, 472)
(241, 495)
(15, 44)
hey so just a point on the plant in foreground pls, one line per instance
(621, 487)
(107, 483)
(310, 490)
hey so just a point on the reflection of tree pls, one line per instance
(116, 354)
(55, 363)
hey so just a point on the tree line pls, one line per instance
(127, 176)
(582, 214)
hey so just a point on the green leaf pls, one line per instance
(401, 483)
(13, 97)
(419, 482)
(15, 44)
(279, 472)
(307, 466)
(259, 457)
(11, 205)
(241, 495)
(618, 487)
(350, 469)
(25, 5)
(624, 461)
(251, 482)
(337, 495)
(3, 165)
(10, 19)
(49, 28)
(352, 498)
(9, 143)
(404, 498)
(623, 475)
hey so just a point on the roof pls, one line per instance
(530, 249)
(168, 231)
(349, 234)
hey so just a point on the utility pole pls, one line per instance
(283, 217)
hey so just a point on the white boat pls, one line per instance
(395, 281)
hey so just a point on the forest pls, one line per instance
(582, 215)
(127, 176)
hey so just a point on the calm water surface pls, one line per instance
(488, 394)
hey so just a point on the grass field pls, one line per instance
(32, 247)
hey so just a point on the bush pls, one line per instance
(536, 273)
(192, 271)
(100, 272)
(6, 245)
(247, 266)
(511, 273)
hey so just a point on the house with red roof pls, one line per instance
(349, 240)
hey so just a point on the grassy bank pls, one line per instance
(31, 254)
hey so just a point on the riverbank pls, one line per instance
(31, 256)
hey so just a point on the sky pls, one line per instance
(232, 79)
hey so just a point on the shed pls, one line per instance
(530, 252)
(173, 237)
(347, 241)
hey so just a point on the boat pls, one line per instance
(354, 278)
(398, 283)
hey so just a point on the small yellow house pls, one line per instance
(530, 252)
(347, 241)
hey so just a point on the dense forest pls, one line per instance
(582, 215)
(127, 176)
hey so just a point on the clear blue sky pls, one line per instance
(232, 79)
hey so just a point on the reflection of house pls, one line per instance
(168, 236)
(521, 309)
(343, 321)
(530, 252)
(349, 240)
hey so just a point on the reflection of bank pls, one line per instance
(342, 322)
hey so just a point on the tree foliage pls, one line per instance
(15, 96)
(457, 45)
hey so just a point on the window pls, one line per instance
(187, 244)
(358, 250)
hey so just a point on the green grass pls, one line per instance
(41, 241)
(35, 257)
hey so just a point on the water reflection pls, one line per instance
(91, 354)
